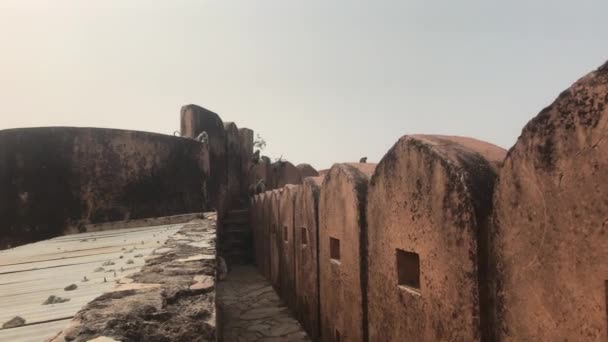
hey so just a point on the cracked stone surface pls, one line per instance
(172, 297)
(252, 310)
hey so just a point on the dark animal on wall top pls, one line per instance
(256, 157)
(260, 187)
(203, 137)
(363, 160)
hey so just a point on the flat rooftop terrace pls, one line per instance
(91, 263)
(150, 281)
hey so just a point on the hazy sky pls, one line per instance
(322, 81)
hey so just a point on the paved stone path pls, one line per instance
(253, 312)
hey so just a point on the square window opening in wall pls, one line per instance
(285, 233)
(304, 236)
(408, 269)
(334, 249)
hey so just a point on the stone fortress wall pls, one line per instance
(444, 239)
(57, 180)
(451, 238)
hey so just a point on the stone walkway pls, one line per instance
(252, 311)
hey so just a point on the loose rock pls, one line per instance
(71, 287)
(13, 323)
(55, 300)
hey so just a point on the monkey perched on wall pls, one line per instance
(260, 187)
(256, 157)
(222, 268)
(363, 160)
(203, 137)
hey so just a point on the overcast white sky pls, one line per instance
(322, 81)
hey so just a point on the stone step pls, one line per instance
(235, 231)
(237, 215)
(235, 220)
(236, 238)
(238, 258)
(238, 212)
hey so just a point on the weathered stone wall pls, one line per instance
(260, 171)
(283, 173)
(274, 223)
(266, 231)
(232, 195)
(287, 245)
(444, 249)
(256, 214)
(55, 180)
(306, 236)
(551, 240)
(194, 120)
(172, 298)
(342, 265)
(306, 170)
(246, 143)
(429, 204)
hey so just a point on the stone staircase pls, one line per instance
(236, 238)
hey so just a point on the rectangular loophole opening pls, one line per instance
(285, 233)
(408, 269)
(304, 236)
(334, 249)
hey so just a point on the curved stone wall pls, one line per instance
(551, 240)
(55, 180)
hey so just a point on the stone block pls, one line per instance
(306, 237)
(429, 204)
(306, 170)
(194, 120)
(342, 266)
(287, 245)
(274, 222)
(551, 241)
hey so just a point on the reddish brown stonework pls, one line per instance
(306, 170)
(260, 171)
(56, 179)
(256, 215)
(172, 297)
(246, 143)
(233, 167)
(194, 120)
(341, 264)
(551, 244)
(306, 236)
(287, 256)
(266, 225)
(283, 173)
(323, 172)
(273, 223)
(429, 204)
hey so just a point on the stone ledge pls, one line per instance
(167, 300)
(152, 221)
